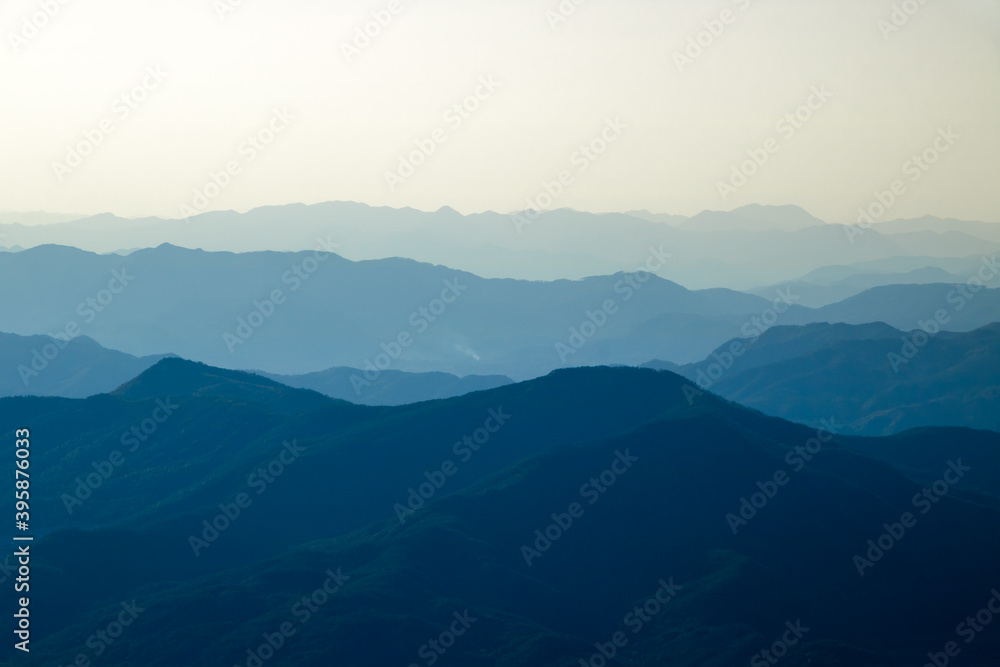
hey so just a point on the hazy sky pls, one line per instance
(680, 127)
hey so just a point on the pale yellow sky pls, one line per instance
(681, 129)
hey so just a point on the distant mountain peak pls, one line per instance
(755, 217)
(176, 377)
(751, 210)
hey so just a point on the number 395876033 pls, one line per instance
(22, 479)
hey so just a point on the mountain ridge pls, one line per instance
(557, 244)
(473, 546)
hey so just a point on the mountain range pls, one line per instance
(800, 373)
(432, 467)
(383, 528)
(300, 313)
(751, 245)
(79, 367)
(72, 368)
(877, 379)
